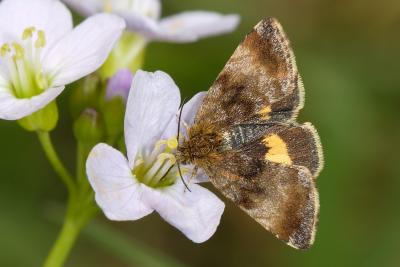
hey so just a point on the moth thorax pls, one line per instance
(199, 145)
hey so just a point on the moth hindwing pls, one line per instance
(246, 138)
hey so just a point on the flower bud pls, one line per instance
(44, 119)
(113, 106)
(88, 128)
(119, 85)
(85, 94)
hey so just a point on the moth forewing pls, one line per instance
(246, 138)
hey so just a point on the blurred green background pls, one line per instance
(347, 52)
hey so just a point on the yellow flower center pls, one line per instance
(158, 168)
(22, 61)
(107, 6)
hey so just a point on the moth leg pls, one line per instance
(193, 174)
(186, 126)
(186, 129)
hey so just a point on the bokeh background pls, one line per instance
(348, 54)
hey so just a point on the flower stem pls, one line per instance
(76, 218)
(81, 207)
(45, 140)
(64, 243)
(82, 153)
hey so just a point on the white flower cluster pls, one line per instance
(41, 52)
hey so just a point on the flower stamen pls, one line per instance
(28, 33)
(107, 6)
(5, 49)
(22, 62)
(159, 167)
(41, 40)
(172, 143)
(19, 51)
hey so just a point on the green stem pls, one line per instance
(80, 162)
(81, 207)
(45, 140)
(76, 218)
(85, 190)
(64, 243)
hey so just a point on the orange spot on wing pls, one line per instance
(277, 150)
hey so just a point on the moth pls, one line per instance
(246, 138)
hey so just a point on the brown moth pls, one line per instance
(246, 138)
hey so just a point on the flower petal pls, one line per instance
(153, 99)
(188, 115)
(86, 8)
(196, 214)
(147, 8)
(12, 108)
(117, 192)
(136, 22)
(191, 107)
(140, 16)
(84, 49)
(191, 26)
(50, 16)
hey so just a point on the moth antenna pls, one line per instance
(180, 174)
(178, 135)
(183, 180)
(179, 119)
(165, 175)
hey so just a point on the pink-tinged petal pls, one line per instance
(196, 214)
(83, 50)
(191, 26)
(50, 16)
(118, 193)
(12, 108)
(153, 100)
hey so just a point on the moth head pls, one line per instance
(200, 142)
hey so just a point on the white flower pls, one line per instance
(143, 16)
(147, 180)
(40, 52)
